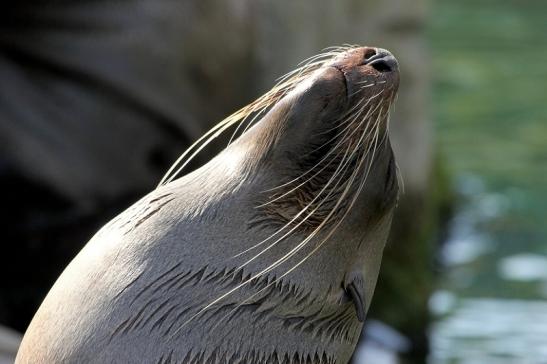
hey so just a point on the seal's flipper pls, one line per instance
(356, 291)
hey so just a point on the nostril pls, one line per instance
(381, 66)
(370, 52)
(381, 60)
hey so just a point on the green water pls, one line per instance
(490, 109)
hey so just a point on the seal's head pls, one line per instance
(332, 174)
(319, 182)
(269, 253)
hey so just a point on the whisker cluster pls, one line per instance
(250, 113)
(360, 132)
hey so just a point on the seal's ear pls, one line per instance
(354, 285)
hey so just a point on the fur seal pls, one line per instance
(269, 253)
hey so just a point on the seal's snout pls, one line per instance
(368, 64)
(380, 59)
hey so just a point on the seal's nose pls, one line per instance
(380, 59)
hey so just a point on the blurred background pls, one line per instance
(99, 97)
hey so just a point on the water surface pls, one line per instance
(490, 100)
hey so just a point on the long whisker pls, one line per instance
(346, 137)
(328, 183)
(332, 211)
(322, 160)
(292, 251)
(340, 167)
(344, 183)
(343, 163)
(269, 268)
(285, 84)
(354, 174)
